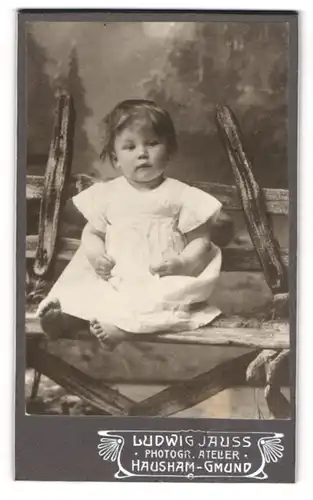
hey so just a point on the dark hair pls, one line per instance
(127, 111)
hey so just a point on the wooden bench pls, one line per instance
(267, 337)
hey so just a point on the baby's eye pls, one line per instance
(153, 142)
(128, 146)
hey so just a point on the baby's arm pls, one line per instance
(193, 259)
(93, 245)
(195, 256)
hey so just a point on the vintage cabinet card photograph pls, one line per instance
(156, 243)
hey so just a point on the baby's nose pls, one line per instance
(142, 151)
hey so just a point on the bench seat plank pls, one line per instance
(232, 331)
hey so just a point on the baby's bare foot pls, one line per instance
(51, 319)
(108, 335)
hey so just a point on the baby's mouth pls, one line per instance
(143, 165)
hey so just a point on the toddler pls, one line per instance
(146, 263)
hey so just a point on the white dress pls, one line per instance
(142, 229)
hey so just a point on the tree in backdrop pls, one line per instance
(44, 77)
(243, 65)
(84, 153)
(40, 105)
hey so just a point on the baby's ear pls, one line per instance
(114, 160)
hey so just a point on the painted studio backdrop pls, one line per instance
(188, 68)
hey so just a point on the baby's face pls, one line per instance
(140, 154)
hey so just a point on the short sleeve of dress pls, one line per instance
(197, 207)
(92, 204)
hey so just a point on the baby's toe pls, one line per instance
(102, 336)
(43, 308)
(98, 329)
(52, 305)
(55, 303)
(95, 327)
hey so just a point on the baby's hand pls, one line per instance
(169, 267)
(103, 265)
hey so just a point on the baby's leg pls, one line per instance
(108, 335)
(56, 324)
